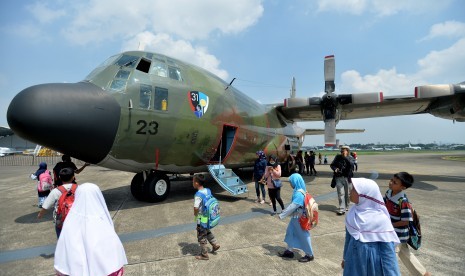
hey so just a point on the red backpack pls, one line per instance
(309, 218)
(65, 202)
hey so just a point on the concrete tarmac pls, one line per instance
(160, 239)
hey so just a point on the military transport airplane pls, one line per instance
(154, 115)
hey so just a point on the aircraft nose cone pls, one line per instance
(79, 119)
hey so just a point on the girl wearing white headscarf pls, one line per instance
(369, 247)
(88, 244)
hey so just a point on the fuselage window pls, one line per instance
(144, 96)
(161, 99)
(159, 68)
(144, 65)
(174, 73)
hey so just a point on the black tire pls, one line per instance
(156, 187)
(285, 170)
(137, 186)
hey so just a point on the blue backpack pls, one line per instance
(210, 210)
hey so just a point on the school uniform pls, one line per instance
(296, 237)
(88, 244)
(369, 247)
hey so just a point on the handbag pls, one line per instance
(333, 182)
(276, 183)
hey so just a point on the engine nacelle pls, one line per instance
(367, 98)
(434, 90)
(296, 102)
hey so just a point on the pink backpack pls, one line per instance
(45, 181)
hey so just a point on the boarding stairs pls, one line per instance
(227, 179)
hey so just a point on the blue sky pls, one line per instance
(379, 45)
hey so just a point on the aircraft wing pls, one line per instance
(322, 131)
(389, 106)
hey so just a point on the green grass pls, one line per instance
(460, 158)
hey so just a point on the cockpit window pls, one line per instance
(174, 73)
(118, 85)
(127, 61)
(122, 74)
(159, 68)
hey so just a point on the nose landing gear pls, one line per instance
(150, 186)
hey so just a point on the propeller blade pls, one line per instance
(293, 88)
(330, 132)
(329, 70)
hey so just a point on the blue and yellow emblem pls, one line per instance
(198, 102)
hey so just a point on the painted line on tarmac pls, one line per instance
(47, 251)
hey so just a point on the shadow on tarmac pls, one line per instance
(32, 218)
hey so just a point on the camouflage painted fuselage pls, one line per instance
(173, 116)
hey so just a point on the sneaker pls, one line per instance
(306, 258)
(262, 202)
(257, 200)
(273, 214)
(215, 248)
(271, 204)
(347, 209)
(286, 254)
(202, 257)
(340, 213)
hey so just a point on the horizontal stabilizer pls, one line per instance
(314, 131)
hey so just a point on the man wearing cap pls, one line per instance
(343, 172)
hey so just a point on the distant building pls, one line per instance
(9, 140)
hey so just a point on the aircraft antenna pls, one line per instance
(230, 84)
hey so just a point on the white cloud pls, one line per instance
(387, 81)
(44, 14)
(380, 7)
(97, 21)
(180, 49)
(447, 65)
(26, 30)
(450, 29)
(437, 67)
(349, 6)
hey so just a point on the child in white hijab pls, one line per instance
(369, 247)
(88, 244)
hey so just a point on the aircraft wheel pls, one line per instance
(285, 170)
(137, 186)
(157, 187)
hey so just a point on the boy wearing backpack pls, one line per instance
(56, 196)
(204, 234)
(399, 209)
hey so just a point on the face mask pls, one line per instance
(272, 163)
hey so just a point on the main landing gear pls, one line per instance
(150, 186)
